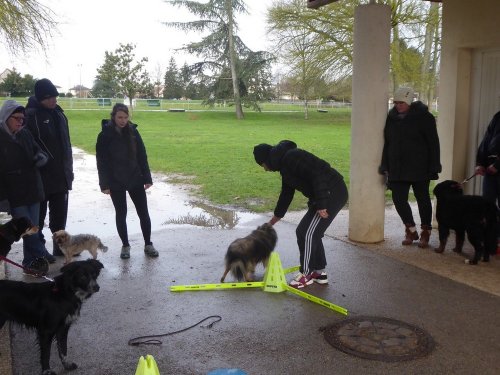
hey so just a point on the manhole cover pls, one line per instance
(380, 339)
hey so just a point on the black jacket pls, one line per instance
(20, 181)
(489, 148)
(122, 164)
(300, 170)
(50, 130)
(411, 145)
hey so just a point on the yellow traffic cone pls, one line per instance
(274, 278)
(147, 366)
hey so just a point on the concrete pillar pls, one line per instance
(370, 93)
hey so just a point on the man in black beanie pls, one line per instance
(49, 126)
(327, 193)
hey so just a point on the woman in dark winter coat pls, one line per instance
(324, 186)
(488, 164)
(49, 126)
(20, 181)
(411, 158)
(123, 167)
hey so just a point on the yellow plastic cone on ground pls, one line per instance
(147, 366)
(274, 278)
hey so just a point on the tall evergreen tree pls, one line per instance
(172, 83)
(222, 50)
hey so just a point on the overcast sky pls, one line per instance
(88, 28)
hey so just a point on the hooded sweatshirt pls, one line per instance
(300, 170)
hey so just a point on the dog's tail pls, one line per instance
(102, 247)
(238, 270)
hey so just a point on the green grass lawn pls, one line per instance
(215, 149)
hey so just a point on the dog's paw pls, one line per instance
(439, 250)
(472, 262)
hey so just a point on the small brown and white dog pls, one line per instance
(74, 245)
(243, 254)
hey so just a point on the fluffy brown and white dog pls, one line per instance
(243, 254)
(50, 307)
(74, 245)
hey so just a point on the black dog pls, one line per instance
(50, 307)
(243, 254)
(466, 213)
(12, 231)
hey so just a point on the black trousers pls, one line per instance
(312, 227)
(400, 192)
(138, 197)
(57, 204)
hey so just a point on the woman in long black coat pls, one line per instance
(122, 164)
(411, 158)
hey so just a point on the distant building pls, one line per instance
(4, 74)
(80, 91)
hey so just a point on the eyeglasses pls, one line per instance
(18, 118)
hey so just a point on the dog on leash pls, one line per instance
(74, 245)
(243, 254)
(49, 307)
(13, 230)
(471, 214)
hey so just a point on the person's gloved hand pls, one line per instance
(40, 159)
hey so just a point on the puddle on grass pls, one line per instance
(91, 211)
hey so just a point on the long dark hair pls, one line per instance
(126, 131)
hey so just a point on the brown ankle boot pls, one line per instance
(410, 236)
(424, 236)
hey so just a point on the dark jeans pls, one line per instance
(33, 247)
(312, 227)
(138, 196)
(57, 204)
(491, 192)
(400, 191)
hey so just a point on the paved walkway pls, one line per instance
(371, 279)
(485, 277)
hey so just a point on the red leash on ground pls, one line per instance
(27, 270)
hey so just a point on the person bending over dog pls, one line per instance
(123, 167)
(327, 192)
(411, 158)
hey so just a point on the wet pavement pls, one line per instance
(261, 333)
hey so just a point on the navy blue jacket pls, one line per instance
(489, 148)
(50, 129)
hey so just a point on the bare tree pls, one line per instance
(25, 25)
